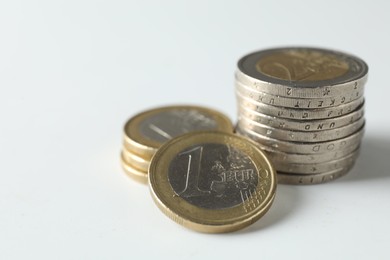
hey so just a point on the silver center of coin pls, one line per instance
(213, 176)
(166, 125)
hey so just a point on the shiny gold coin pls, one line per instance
(135, 160)
(134, 173)
(147, 131)
(212, 181)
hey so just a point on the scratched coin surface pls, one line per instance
(147, 131)
(212, 181)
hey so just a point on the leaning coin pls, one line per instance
(302, 72)
(301, 125)
(146, 132)
(300, 136)
(303, 148)
(212, 181)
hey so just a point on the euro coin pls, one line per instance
(212, 181)
(146, 132)
(303, 72)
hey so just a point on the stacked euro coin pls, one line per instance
(145, 132)
(305, 108)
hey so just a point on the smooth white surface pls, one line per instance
(72, 72)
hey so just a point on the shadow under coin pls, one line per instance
(287, 200)
(373, 162)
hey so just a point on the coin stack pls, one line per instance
(305, 108)
(147, 131)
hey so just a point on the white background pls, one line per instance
(72, 73)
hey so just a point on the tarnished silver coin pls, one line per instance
(303, 148)
(307, 179)
(302, 72)
(316, 168)
(299, 114)
(300, 136)
(353, 87)
(301, 125)
(295, 158)
(297, 103)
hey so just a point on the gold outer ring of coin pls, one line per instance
(135, 142)
(135, 160)
(134, 173)
(202, 219)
